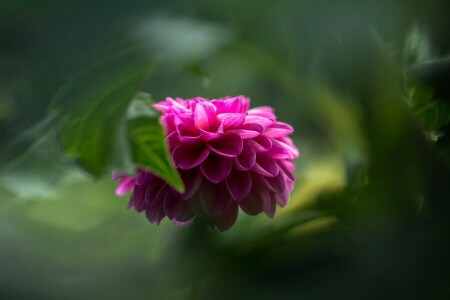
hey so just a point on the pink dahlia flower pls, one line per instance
(228, 155)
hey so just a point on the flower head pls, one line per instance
(228, 155)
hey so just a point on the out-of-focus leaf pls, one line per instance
(94, 104)
(150, 150)
(25, 140)
(37, 172)
(433, 113)
(182, 39)
(417, 46)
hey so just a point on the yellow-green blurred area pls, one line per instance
(364, 83)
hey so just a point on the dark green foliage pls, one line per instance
(364, 83)
(93, 104)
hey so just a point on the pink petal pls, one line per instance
(265, 122)
(168, 122)
(125, 186)
(185, 119)
(215, 198)
(278, 151)
(239, 184)
(288, 168)
(187, 156)
(279, 129)
(211, 135)
(204, 115)
(229, 145)
(260, 143)
(248, 131)
(238, 104)
(231, 120)
(216, 168)
(289, 145)
(228, 218)
(266, 165)
(173, 140)
(187, 135)
(246, 160)
(263, 111)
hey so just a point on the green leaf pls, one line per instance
(93, 106)
(150, 150)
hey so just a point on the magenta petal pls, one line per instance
(281, 199)
(173, 140)
(182, 224)
(211, 135)
(263, 111)
(269, 206)
(238, 104)
(143, 178)
(216, 168)
(187, 156)
(228, 218)
(289, 145)
(265, 122)
(154, 186)
(176, 208)
(278, 151)
(278, 183)
(215, 198)
(140, 191)
(260, 143)
(231, 120)
(204, 115)
(186, 135)
(266, 165)
(248, 131)
(168, 122)
(246, 160)
(155, 213)
(125, 186)
(229, 145)
(239, 184)
(138, 203)
(264, 142)
(185, 119)
(279, 129)
(192, 179)
(253, 203)
(288, 168)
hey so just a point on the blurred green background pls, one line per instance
(365, 85)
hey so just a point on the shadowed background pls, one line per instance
(365, 85)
